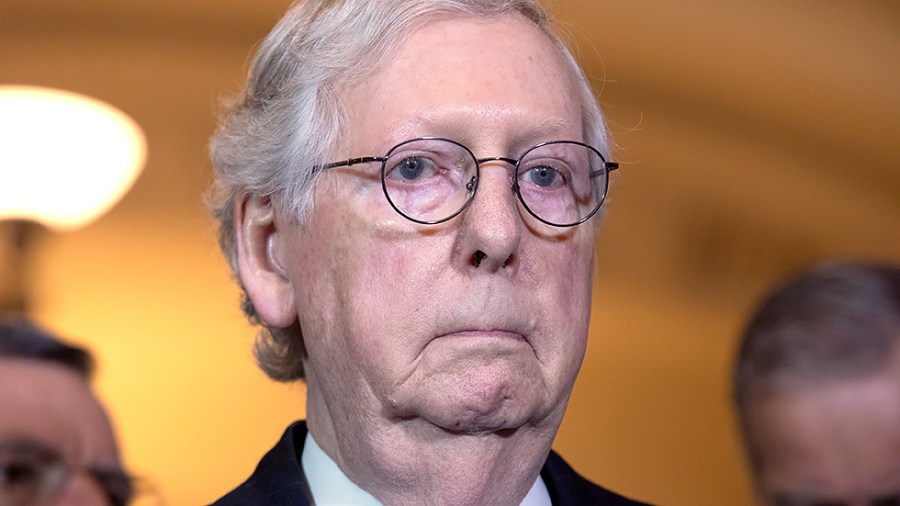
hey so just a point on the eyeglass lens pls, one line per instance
(31, 474)
(28, 473)
(431, 180)
(117, 485)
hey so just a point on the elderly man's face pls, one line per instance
(473, 325)
(47, 409)
(831, 443)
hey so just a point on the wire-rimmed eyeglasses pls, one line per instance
(430, 180)
(31, 473)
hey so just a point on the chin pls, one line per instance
(465, 387)
(486, 406)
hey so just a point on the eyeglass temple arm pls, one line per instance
(609, 166)
(351, 161)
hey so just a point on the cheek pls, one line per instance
(565, 272)
(363, 288)
(566, 290)
(579, 272)
(391, 290)
(390, 268)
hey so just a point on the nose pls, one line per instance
(491, 228)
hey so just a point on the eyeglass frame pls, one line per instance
(46, 459)
(472, 185)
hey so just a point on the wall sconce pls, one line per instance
(65, 159)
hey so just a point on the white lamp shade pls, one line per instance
(65, 158)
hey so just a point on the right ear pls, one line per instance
(257, 236)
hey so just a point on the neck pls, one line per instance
(412, 462)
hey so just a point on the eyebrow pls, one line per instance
(25, 445)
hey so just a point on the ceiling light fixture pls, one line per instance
(65, 158)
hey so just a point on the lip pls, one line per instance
(482, 334)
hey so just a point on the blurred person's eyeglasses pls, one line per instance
(430, 180)
(32, 474)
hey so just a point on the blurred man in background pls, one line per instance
(56, 442)
(817, 387)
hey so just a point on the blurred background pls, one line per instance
(754, 137)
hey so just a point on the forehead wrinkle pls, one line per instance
(456, 123)
(479, 114)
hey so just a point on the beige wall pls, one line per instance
(754, 139)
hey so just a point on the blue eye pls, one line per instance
(412, 168)
(542, 176)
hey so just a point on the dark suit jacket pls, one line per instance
(278, 480)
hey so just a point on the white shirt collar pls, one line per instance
(331, 487)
